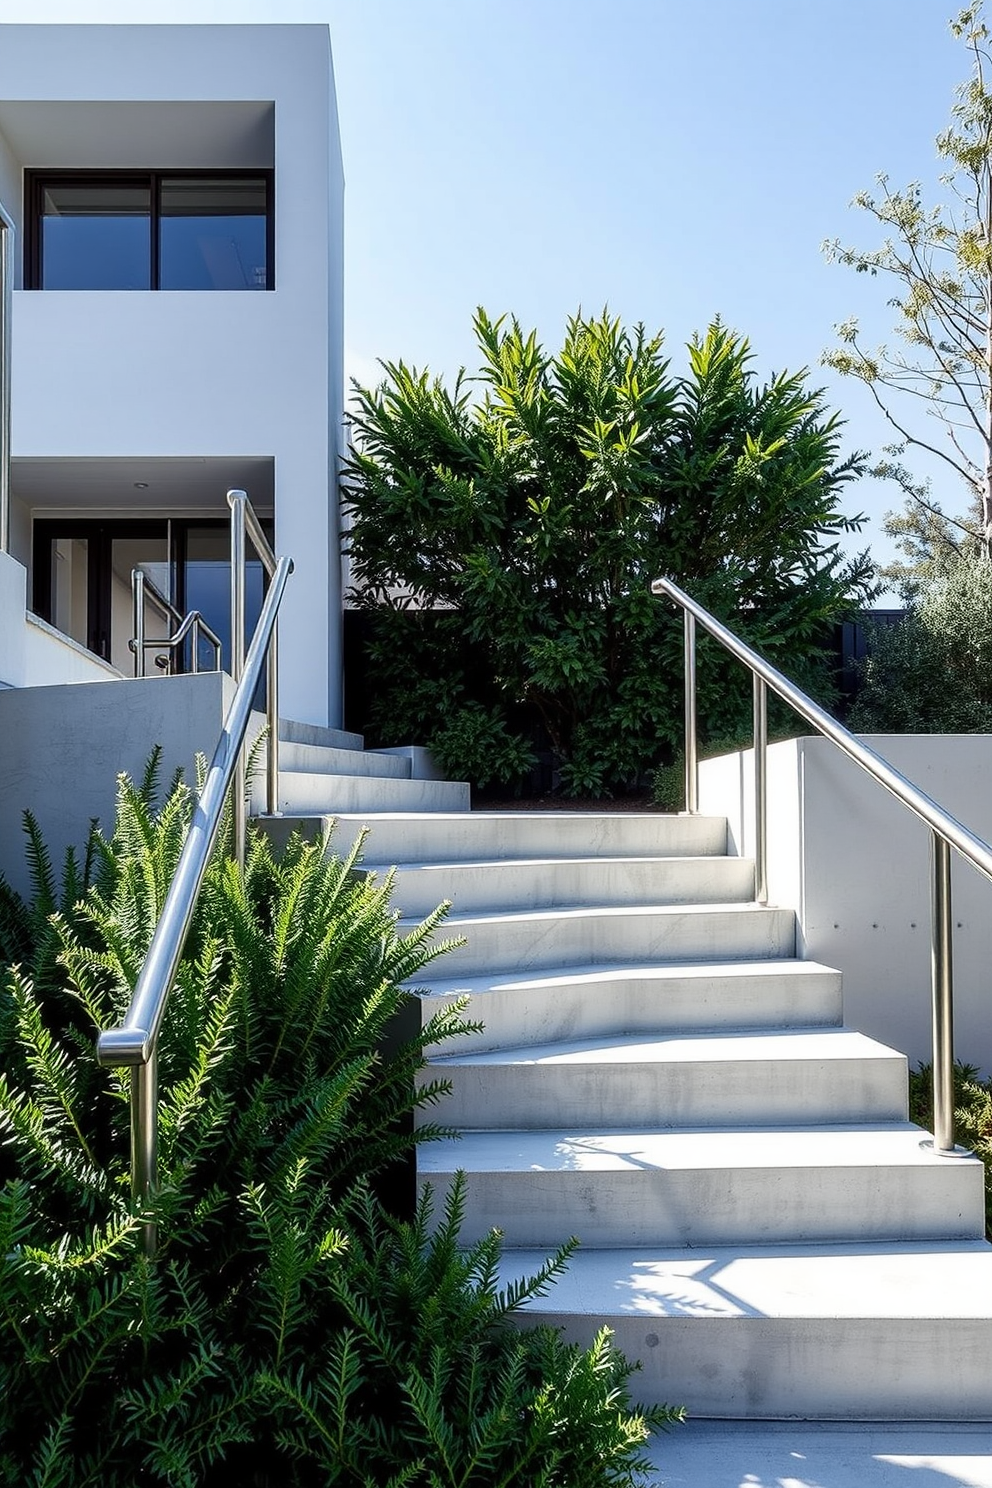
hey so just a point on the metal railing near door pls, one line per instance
(246, 527)
(143, 591)
(946, 831)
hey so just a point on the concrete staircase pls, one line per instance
(659, 1075)
(324, 771)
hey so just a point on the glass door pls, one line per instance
(81, 584)
(81, 581)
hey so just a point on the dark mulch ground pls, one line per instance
(563, 803)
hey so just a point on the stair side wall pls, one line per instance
(61, 749)
(855, 865)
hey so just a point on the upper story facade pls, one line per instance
(176, 200)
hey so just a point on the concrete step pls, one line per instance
(648, 933)
(546, 883)
(316, 734)
(717, 1187)
(463, 836)
(315, 759)
(838, 1332)
(319, 796)
(539, 1008)
(807, 1077)
(819, 1454)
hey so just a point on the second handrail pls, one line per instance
(947, 831)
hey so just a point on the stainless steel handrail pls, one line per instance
(246, 527)
(6, 336)
(142, 587)
(134, 1043)
(947, 831)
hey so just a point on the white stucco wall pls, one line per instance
(32, 654)
(197, 374)
(855, 865)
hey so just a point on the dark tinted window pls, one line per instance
(95, 235)
(212, 233)
(149, 230)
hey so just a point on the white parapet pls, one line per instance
(855, 865)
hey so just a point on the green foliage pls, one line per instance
(434, 1373)
(932, 673)
(972, 1115)
(937, 263)
(505, 536)
(246, 1353)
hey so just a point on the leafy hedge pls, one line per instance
(505, 533)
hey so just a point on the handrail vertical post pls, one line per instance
(760, 789)
(138, 620)
(6, 337)
(272, 712)
(144, 1140)
(943, 989)
(239, 813)
(691, 744)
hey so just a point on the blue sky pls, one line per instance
(673, 159)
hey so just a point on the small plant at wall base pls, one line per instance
(972, 1115)
(505, 532)
(250, 1353)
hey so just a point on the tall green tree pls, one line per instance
(935, 385)
(505, 531)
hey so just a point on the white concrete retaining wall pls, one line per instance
(855, 865)
(61, 749)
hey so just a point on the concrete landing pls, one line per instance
(716, 1454)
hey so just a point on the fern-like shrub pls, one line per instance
(287, 1332)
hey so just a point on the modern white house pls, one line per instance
(174, 195)
(662, 1065)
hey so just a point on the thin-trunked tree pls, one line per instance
(935, 387)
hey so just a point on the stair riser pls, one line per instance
(832, 1369)
(485, 887)
(327, 794)
(527, 943)
(750, 1206)
(544, 835)
(517, 1016)
(312, 759)
(316, 734)
(755, 1092)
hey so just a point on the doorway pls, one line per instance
(81, 581)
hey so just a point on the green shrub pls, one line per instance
(972, 1115)
(236, 1354)
(932, 673)
(529, 514)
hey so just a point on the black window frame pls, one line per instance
(35, 182)
(100, 533)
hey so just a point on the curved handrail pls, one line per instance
(142, 585)
(133, 1043)
(947, 831)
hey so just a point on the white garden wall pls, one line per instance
(855, 865)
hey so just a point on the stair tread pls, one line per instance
(738, 1045)
(470, 984)
(596, 1151)
(825, 1280)
(455, 922)
(669, 860)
